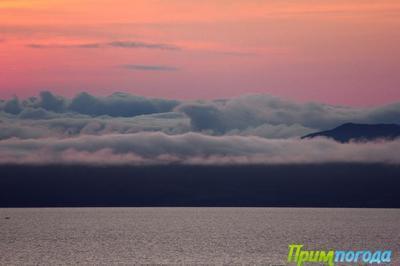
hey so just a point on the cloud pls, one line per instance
(127, 129)
(191, 148)
(204, 116)
(46, 46)
(38, 123)
(252, 115)
(130, 44)
(119, 104)
(150, 67)
(12, 106)
(50, 102)
(20, 131)
(273, 131)
(115, 105)
(35, 114)
(118, 44)
(385, 114)
(252, 111)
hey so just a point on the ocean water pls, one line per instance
(127, 236)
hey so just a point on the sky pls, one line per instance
(337, 52)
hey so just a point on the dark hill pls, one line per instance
(360, 132)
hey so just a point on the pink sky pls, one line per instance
(336, 51)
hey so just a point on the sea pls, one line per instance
(188, 236)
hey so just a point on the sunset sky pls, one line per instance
(337, 51)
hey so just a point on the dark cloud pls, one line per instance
(12, 106)
(115, 105)
(118, 44)
(51, 102)
(204, 116)
(150, 67)
(119, 104)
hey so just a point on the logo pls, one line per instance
(299, 256)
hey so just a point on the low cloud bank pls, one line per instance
(251, 115)
(63, 126)
(191, 148)
(127, 129)
(256, 110)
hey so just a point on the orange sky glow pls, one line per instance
(335, 51)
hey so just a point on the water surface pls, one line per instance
(109, 236)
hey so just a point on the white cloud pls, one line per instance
(192, 148)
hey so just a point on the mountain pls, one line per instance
(359, 132)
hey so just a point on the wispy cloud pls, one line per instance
(89, 45)
(117, 44)
(45, 46)
(129, 44)
(150, 67)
